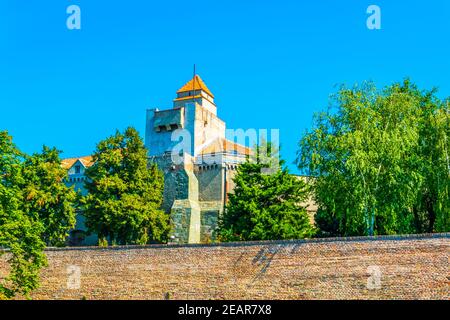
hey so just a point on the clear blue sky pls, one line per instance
(270, 64)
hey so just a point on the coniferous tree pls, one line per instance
(266, 202)
(124, 193)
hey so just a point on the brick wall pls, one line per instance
(409, 268)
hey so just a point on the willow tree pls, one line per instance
(20, 234)
(379, 159)
(432, 208)
(125, 193)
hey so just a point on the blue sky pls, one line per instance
(270, 64)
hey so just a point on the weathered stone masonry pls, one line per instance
(414, 267)
(189, 145)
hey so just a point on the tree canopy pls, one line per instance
(265, 204)
(36, 209)
(125, 193)
(48, 199)
(20, 234)
(380, 161)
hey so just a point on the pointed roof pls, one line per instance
(196, 83)
(85, 161)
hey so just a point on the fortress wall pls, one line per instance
(210, 213)
(210, 183)
(409, 267)
(230, 183)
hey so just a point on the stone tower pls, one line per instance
(188, 144)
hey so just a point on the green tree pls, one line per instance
(266, 202)
(48, 199)
(125, 193)
(432, 208)
(378, 159)
(20, 235)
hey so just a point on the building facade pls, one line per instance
(188, 144)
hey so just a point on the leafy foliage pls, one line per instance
(432, 207)
(36, 208)
(265, 206)
(381, 161)
(48, 200)
(124, 193)
(20, 234)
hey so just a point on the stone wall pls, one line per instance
(210, 183)
(178, 180)
(210, 213)
(414, 267)
(186, 219)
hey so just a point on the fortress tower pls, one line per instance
(188, 144)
